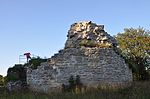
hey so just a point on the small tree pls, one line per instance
(134, 46)
(78, 85)
(77, 81)
(74, 84)
(1, 80)
(71, 82)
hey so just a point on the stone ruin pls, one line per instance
(89, 52)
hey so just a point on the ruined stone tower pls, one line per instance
(90, 53)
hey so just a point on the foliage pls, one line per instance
(104, 45)
(77, 80)
(74, 84)
(88, 43)
(91, 43)
(71, 82)
(35, 62)
(5, 80)
(17, 72)
(1, 80)
(134, 46)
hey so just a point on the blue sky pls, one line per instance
(40, 26)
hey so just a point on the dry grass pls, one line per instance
(139, 90)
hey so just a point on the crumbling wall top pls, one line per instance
(88, 34)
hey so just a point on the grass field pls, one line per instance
(139, 90)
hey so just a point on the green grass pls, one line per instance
(139, 90)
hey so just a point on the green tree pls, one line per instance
(134, 46)
(5, 80)
(17, 72)
(1, 80)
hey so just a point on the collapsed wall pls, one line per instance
(90, 53)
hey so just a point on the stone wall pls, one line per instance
(95, 65)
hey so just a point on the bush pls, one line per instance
(74, 85)
(1, 80)
(104, 45)
(17, 72)
(35, 62)
(71, 82)
(91, 43)
(88, 43)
